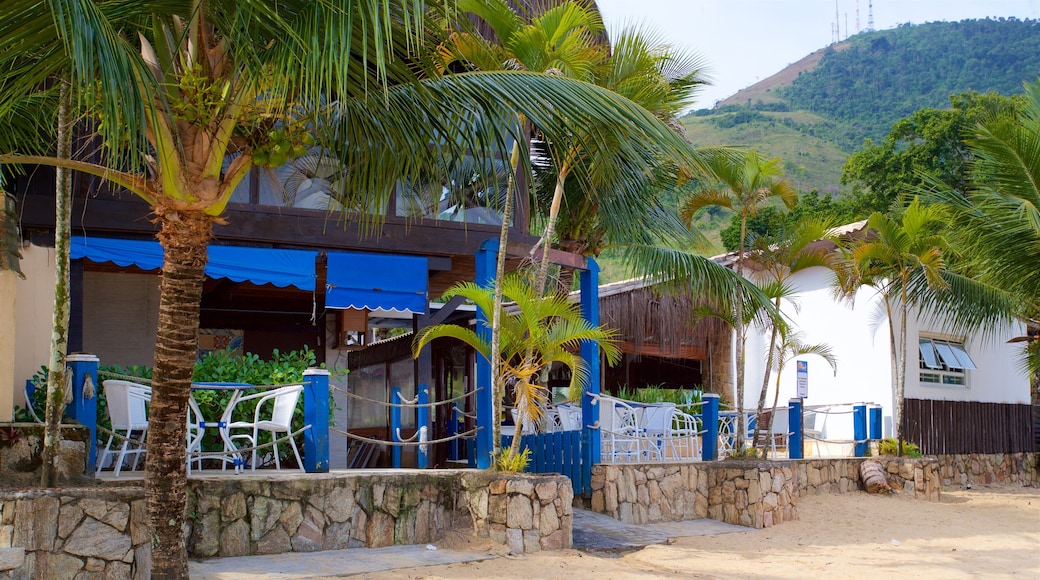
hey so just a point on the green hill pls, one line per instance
(818, 110)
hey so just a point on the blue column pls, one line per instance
(795, 443)
(395, 427)
(589, 283)
(316, 414)
(859, 429)
(485, 270)
(84, 404)
(874, 421)
(710, 417)
(422, 421)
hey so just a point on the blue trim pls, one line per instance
(377, 282)
(238, 263)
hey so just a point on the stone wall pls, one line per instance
(103, 532)
(959, 470)
(21, 454)
(525, 513)
(748, 493)
(99, 532)
(917, 478)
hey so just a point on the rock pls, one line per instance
(291, 517)
(519, 513)
(57, 565)
(553, 541)
(233, 507)
(97, 539)
(264, 516)
(515, 540)
(521, 485)
(69, 517)
(207, 535)
(380, 532)
(275, 542)
(117, 571)
(11, 558)
(340, 504)
(546, 490)
(234, 539)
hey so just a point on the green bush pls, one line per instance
(888, 446)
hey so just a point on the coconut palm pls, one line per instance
(775, 260)
(180, 87)
(746, 184)
(536, 332)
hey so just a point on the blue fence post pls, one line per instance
(395, 426)
(875, 422)
(859, 429)
(589, 283)
(83, 409)
(710, 417)
(795, 442)
(485, 276)
(316, 414)
(422, 423)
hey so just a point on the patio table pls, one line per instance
(198, 423)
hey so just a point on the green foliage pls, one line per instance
(880, 77)
(510, 462)
(888, 446)
(658, 394)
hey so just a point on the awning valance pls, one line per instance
(257, 265)
(376, 282)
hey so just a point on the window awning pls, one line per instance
(257, 265)
(376, 281)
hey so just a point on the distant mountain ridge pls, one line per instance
(816, 111)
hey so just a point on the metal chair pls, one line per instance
(128, 410)
(282, 404)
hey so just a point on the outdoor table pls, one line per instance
(230, 453)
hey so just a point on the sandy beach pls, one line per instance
(985, 532)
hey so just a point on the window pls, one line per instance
(944, 362)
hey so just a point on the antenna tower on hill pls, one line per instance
(870, 16)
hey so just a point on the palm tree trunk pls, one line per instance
(184, 236)
(900, 386)
(765, 388)
(496, 316)
(60, 318)
(550, 227)
(738, 328)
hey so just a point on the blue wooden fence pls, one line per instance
(564, 452)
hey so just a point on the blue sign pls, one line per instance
(803, 379)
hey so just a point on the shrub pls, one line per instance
(888, 446)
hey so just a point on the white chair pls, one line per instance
(128, 410)
(622, 438)
(282, 404)
(530, 428)
(570, 417)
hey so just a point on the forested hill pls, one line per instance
(817, 111)
(887, 75)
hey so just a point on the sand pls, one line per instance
(984, 532)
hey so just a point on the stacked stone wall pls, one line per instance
(527, 514)
(1004, 468)
(21, 455)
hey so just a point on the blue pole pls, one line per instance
(859, 429)
(875, 422)
(795, 443)
(710, 417)
(422, 421)
(589, 283)
(84, 403)
(453, 430)
(316, 414)
(485, 270)
(395, 426)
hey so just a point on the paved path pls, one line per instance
(331, 563)
(595, 532)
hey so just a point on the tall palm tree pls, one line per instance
(745, 185)
(789, 348)
(776, 259)
(537, 332)
(178, 87)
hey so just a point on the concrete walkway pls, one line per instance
(595, 532)
(327, 564)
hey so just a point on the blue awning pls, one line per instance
(376, 281)
(257, 265)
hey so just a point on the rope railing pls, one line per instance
(406, 405)
(465, 435)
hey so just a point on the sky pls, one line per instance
(745, 41)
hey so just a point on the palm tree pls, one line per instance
(180, 87)
(745, 185)
(776, 259)
(537, 332)
(789, 348)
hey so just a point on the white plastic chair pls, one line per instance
(622, 438)
(282, 404)
(128, 409)
(570, 417)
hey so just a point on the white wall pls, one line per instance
(859, 337)
(35, 300)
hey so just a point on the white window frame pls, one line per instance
(943, 362)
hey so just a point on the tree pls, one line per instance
(538, 332)
(776, 260)
(189, 95)
(745, 185)
(789, 348)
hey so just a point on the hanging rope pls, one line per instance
(120, 377)
(466, 435)
(836, 441)
(88, 386)
(463, 413)
(407, 405)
